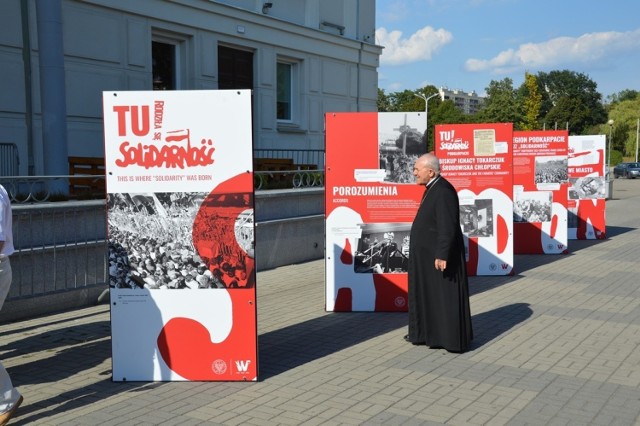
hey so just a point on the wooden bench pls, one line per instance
(86, 185)
(273, 164)
(305, 167)
(276, 180)
(280, 164)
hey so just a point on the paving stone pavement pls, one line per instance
(555, 344)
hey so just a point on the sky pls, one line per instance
(465, 44)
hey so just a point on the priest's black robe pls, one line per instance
(439, 311)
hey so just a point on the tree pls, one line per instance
(384, 104)
(623, 95)
(625, 115)
(532, 102)
(501, 104)
(568, 113)
(405, 101)
(445, 112)
(568, 96)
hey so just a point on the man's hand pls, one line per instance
(440, 264)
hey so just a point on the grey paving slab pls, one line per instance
(558, 343)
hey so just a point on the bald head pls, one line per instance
(430, 161)
(426, 167)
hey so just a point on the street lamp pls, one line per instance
(610, 123)
(637, 138)
(426, 112)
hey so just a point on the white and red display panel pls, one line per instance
(180, 230)
(371, 200)
(540, 179)
(477, 160)
(587, 190)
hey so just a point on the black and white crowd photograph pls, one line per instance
(551, 169)
(383, 249)
(532, 207)
(153, 239)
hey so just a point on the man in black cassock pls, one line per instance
(439, 312)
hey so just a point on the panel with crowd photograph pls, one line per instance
(156, 240)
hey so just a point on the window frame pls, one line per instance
(294, 90)
(180, 46)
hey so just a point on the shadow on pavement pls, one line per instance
(480, 284)
(63, 364)
(72, 350)
(489, 325)
(287, 348)
(614, 231)
(74, 399)
(50, 340)
(50, 322)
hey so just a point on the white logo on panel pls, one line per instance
(243, 366)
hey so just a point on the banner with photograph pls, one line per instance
(540, 182)
(587, 190)
(180, 231)
(477, 160)
(370, 203)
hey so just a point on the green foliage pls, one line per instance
(553, 100)
(445, 113)
(501, 104)
(616, 158)
(532, 102)
(625, 115)
(568, 113)
(383, 101)
(623, 95)
(405, 101)
(570, 97)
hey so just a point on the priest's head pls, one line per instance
(426, 168)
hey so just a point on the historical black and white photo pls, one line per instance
(400, 142)
(151, 243)
(587, 187)
(532, 206)
(551, 169)
(382, 248)
(476, 219)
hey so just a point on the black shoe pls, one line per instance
(406, 339)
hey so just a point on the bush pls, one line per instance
(616, 158)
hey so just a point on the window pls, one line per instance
(285, 91)
(235, 68)
(164, 65)
(168, 59)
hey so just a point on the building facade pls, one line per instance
(467, 102)
(301, 58)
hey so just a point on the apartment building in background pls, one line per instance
(467, 102)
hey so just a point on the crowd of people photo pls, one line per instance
(551, 170)
(151, 245)
(531, 211)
